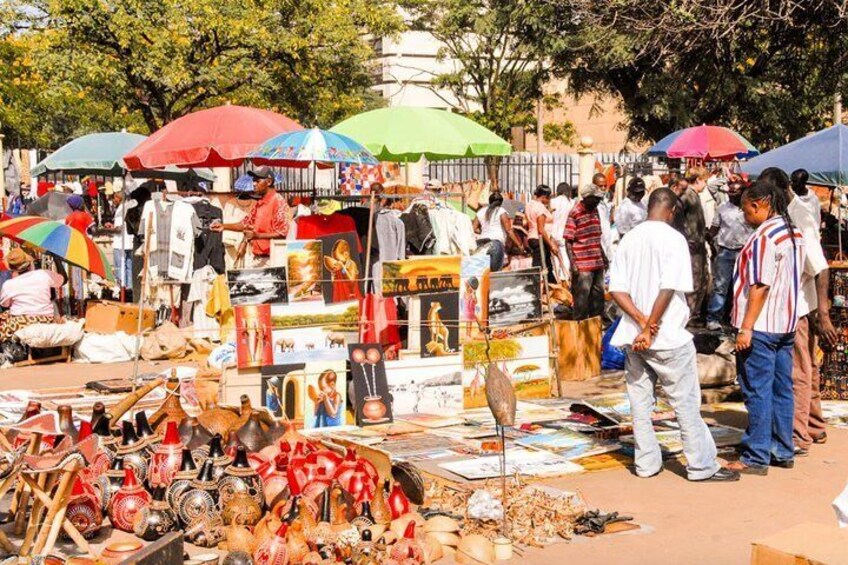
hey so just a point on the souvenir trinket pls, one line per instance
(127, 502)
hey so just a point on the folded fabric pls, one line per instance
(42, 336)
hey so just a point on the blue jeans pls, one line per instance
(123, 267)
(725, 262)
(765, 375)
(497, 254)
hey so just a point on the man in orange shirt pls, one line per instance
(268, 219)
(78, 219)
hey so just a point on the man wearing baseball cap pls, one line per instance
(269, 218)
(586, 254)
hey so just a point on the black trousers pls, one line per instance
(537, 247)
(587, 290)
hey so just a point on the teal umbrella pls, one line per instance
(406, 134)
(101, 154)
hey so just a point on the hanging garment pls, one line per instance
(318, 225)
(158, 212)
(379, 321)
(199, 294)
(453, 231)
(220, 308)
(419, 230)
(185, 226)
(209, 245)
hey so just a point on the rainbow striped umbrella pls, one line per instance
(59, 240)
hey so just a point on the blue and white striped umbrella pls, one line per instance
(299, 148)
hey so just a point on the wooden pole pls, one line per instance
(148, 232)
(367, 278)
(56, 513)
(20, 509)
(72, 531)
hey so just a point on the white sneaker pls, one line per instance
(713, 326)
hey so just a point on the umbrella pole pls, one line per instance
(148, 232)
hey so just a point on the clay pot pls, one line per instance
(134, 451)
(296, 543)
(241, 509)
(118, 551)
(323, 532)
(326, 459)
(215, 454)
(207, 531)
(181, 481)
(232, 445)
(276, 431)
(200, 500)
(318, 483)
(167, 459)
(380, 506)
(127, 502)
(252, 435)
(398, 502)
(143, 429)
(239, 538)
(408, 547)
(291, 436)
(104, 432)
(364, 519)
(273, 551)
(84, 510)
(66, 422)
(171, 410)
(475, 549)
(240, 477)
(98, 410)
(274, 479)
(217, 420)
(192, 434)
(156, 519)
(109, 483)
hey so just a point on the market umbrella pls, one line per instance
(299, 148)
(59, 240)
(217, 137)
(53, 206)
(704, 142)
(823, 154)
(102, 154)
(406, 134)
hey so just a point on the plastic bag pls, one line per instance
(612, 358)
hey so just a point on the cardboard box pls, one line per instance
(106, 317)
(804, 544)
(579, 349)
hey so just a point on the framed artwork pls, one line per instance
(436, 273)
(525, 360)
(514, 298)
(342, 268)
(253, 335)
(426, 386)
(341, 316)
(282, 390)
(439, 327)
(258, 286)
(474, 288)
(373, 403)
(326, 395)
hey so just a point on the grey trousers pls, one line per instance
(677, 372)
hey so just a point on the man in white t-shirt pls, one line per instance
(807, 197)
(632, 210)
(649, 285)
(561, 205)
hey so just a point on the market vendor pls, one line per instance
(28, 295)
(79, 218)
(269, 218)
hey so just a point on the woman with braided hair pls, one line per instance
(767, 282)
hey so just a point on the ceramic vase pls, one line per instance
(84, 510)
(66, 422)
(182, 480)
(156, 519)
(274, 479)
(374, 409)
(134, 451)
(327, 460)
(109, 482)
(104, 432)
(273, 551)
(200, 499)
(143, 429)
(215, 454)
(241, 510)
(398, 502)
(322, 533)
(240, 477)
(192, 434)
(98, 410)
(171, 410)
(379, 504)
(167, 459)
(252, 435)
(408, 547)
(127, 502)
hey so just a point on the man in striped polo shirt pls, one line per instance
(585, 254)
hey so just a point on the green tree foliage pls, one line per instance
(144, 63)
(766, 69)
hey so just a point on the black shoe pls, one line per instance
(801, 452)
(721, 476)
(820, 439)
(788, 464)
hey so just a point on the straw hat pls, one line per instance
(18, 260)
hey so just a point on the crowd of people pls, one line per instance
(745, 260)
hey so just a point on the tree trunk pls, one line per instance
(493, 167)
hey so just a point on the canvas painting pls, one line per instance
(253, 335)
(258, 286)
(326, 394)
(439, 319)
(342, 268)
(474, 288)
(518, 461)
(431, 385)
(373, 403)
(525, 360)
(436, 273)
(282, 390)
(305, 269)
(616, 407)
(343, 316)
(514, 298)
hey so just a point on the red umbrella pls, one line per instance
(217, 137)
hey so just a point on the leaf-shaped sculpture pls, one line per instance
(500, 395)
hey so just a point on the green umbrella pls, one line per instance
(405, 134)
(102, 154)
